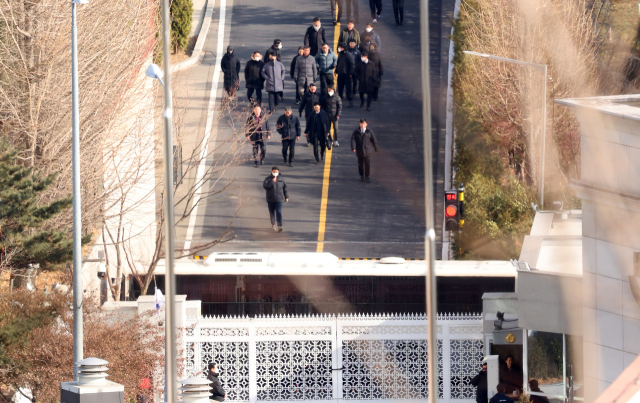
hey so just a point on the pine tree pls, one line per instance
(181, 16)
(23, 220)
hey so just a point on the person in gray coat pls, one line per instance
(326, 61)
(273, 74)
(306, 71)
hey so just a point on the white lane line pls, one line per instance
(207, 131)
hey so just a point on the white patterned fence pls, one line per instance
(365, 358)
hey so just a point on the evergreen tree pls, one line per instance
(181, 16)
(23, 220)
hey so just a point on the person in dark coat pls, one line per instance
(511, 376)
(500, 397)
(257, 129)
(368, 79)
(293, 69)
(253, 78)
(480, 382)
(333, 106)
(275, 50)
(273, 74)
(311, 97)
(351, 7)
(368, 37)
(288, 126)
(315, 37)
(217, 392)
(398, 11)
(317, 132)
(306, 71)
(534, 387)
(277, 195)
(230, 66)
(344, 69)
(355, 52)
(363, 143)
(374, 57)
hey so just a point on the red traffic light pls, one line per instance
(450, 211)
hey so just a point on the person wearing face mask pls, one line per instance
(275, 50)
(311, 97)
(277, 194)
(257, 128)
(376, 9)
(230, 66)
(374, 57)
(306, 71)
(253, 78)
(349, 33)
(344, 69)
(368, 79)
(333, 107)
(315, 37)
(317, 132)
(288, 126)
(293, 69)
(369, 37)
(273, 74)
(355, 52)
(326, 61)
(363, 143)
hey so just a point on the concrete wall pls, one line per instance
(610, 191)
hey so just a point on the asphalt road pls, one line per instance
(383, 218)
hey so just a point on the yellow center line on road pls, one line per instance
(327, 168)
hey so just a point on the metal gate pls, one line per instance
(334, 358)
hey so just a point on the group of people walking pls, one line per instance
(325, 83)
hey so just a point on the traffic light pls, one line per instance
(451, 210)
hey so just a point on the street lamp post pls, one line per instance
(77, 205)
(153, 71)
(542, 68)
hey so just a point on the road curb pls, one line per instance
(197, 55)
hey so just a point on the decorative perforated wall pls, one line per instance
(466, 358)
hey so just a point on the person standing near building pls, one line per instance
(363, 143)
(253, 78)
(344, 69)
(398, 11)
(273, 74)
(230, 66)
(355, 52)
(315, 37)
(257, 129)
(217, 392)
(339, 4)
(480, 382)
(277, 195)
(326, 61)
(374, 57)
(292, 70)
(349, 33)
(376, 9)
(306, 71)
(317, 132)
(333, 107)
(288, 126)
(367, 79)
